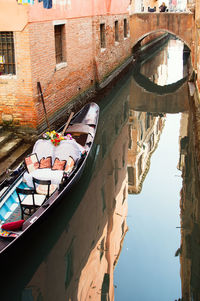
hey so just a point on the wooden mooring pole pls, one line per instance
(40, 94)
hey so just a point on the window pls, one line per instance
(102, 35)
(7, 53)
(69, 267)
(124, 154)
(105, 288)
(140, 165)
(130, 140)
(151, 142)
(31, 294)
(104, 144)
(126, 110)
(125, 28)
(103, 199)
(117, 123)
(124, 195)
(116, 31)
(130, 175)
(123, 226)
(141, 129)
(116, 171)
(102, 248)
(27, 294)
(59, 43)
(148, 119)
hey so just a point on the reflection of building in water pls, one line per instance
(156, 69)
(160, 69)
(144, 132)
(183, 140)
(190, 218)
(80, 266)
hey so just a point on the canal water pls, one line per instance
(118, 234)
(147, 267)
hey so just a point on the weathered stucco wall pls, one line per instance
(20, 15)
(13, 17)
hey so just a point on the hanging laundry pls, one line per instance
(47, 3)
(25, 2)
(54, 3)
(63, 3)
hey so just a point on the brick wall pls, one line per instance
(115, 52)
(84, 63)
(16, 91)
(60, 86)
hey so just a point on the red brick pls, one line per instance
(35, 61)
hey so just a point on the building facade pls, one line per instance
(68, 49)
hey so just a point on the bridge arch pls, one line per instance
(178, 24)
(160, 31)
(151, 87)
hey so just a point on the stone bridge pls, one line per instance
(180, 25)
(147, 101)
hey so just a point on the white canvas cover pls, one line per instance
(43, 174)
(66, 148)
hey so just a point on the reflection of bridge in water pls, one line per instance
(150, 97)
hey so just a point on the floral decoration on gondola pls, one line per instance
(54, 137)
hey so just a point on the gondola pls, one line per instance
(55, 164)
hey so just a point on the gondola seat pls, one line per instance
(61, 161)
(29, 200)
(44, 187)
